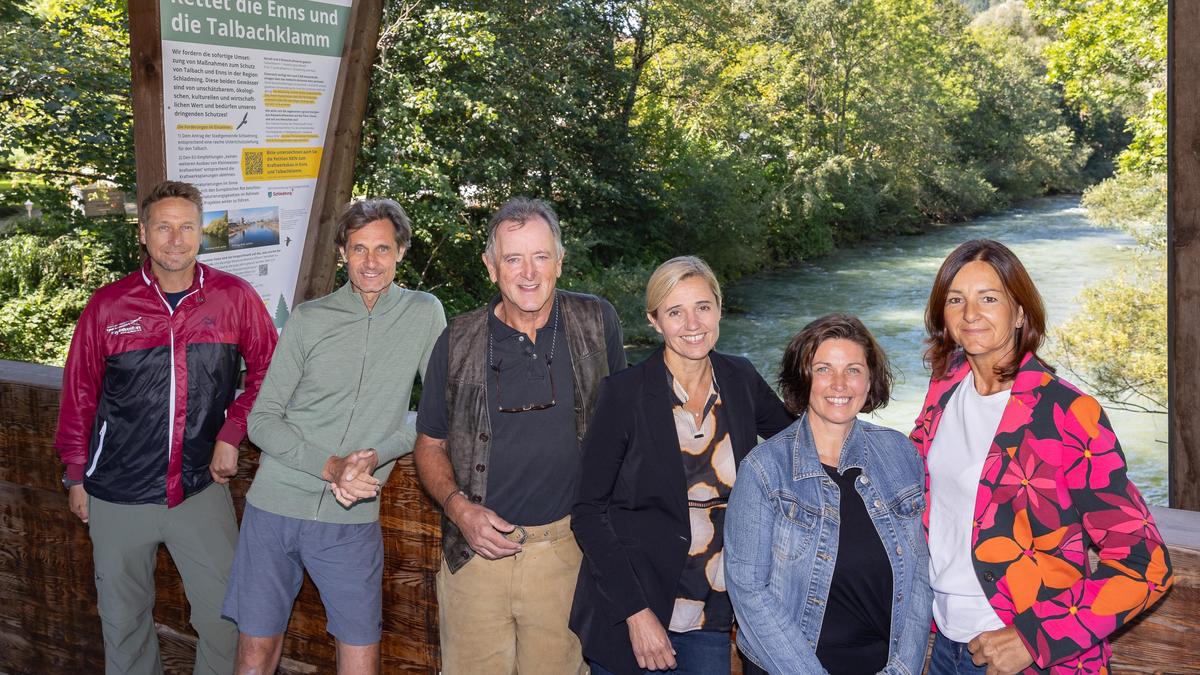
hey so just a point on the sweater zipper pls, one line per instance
(353, 404)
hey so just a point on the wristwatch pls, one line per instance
(68, 483)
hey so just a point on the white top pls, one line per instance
(968, 425)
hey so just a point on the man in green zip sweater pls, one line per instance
(331, 419)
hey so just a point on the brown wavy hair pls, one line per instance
(942, 350)
(795, 372)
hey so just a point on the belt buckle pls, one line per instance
(517, 529)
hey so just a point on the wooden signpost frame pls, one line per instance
(1183, 252)
(335, 180)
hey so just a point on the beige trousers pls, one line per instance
(509, 616)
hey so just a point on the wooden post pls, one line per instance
(336, 178)
(145, 55)
(1183, 226)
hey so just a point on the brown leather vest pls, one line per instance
(469, 439)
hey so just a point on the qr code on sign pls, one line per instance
(254, 163)
(262, 270)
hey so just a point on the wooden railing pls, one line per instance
(48, 620)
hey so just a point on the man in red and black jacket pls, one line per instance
(149, 429)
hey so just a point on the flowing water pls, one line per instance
(887, 283)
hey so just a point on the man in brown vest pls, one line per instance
(505, 404)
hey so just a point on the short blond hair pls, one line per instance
(669, 274)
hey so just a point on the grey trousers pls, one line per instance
(200, 534)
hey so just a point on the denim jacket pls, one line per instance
(781, 538)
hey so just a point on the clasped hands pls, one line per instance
(350, 477)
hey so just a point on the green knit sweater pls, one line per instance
(340, 381)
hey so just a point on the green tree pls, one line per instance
(65, 110)
(281, 313)
(47, 273)
(1126, 316)
(473, 102)
(1016, 133)
(1110, 56)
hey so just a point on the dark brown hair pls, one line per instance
(358, 215)
(171, 189)
(1017, 283)
(795, 372)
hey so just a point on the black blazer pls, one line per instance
(631, 520)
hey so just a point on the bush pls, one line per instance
(48, 270)
(1134, 202)
(1125, 316)
(624, 285)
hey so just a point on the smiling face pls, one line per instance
(526, 267)
(840, 382)
(689, 319)
(982, 316)
(171, 234)
(371, 257)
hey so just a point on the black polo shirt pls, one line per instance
(533, 465)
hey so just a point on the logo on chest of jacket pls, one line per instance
(125, 327)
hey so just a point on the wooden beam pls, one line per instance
(1183, 226)
(335, 181)
(145, 55)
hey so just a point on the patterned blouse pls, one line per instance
(701, 602)
(1053, 486)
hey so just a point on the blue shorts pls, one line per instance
(344, 561)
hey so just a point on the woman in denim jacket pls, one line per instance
(825, 555)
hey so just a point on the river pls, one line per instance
(886, 284)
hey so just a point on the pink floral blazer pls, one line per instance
(1053, 484)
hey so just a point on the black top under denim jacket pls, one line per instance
(632, 516)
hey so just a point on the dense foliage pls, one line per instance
(65, 119)
(64, 93)
(47, 274)
(754, 133)
(1110, 58)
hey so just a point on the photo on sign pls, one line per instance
(215, 231)
(253, 227)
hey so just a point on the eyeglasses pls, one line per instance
(549, 371)
(529, 406)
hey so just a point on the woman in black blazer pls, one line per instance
(659, 460)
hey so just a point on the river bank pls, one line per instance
(886, 283)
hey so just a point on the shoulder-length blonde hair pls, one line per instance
(669, 274)
(1017, 283)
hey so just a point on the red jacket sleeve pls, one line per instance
(256, 343)
(82, 380)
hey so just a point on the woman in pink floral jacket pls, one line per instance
(1024, 474)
